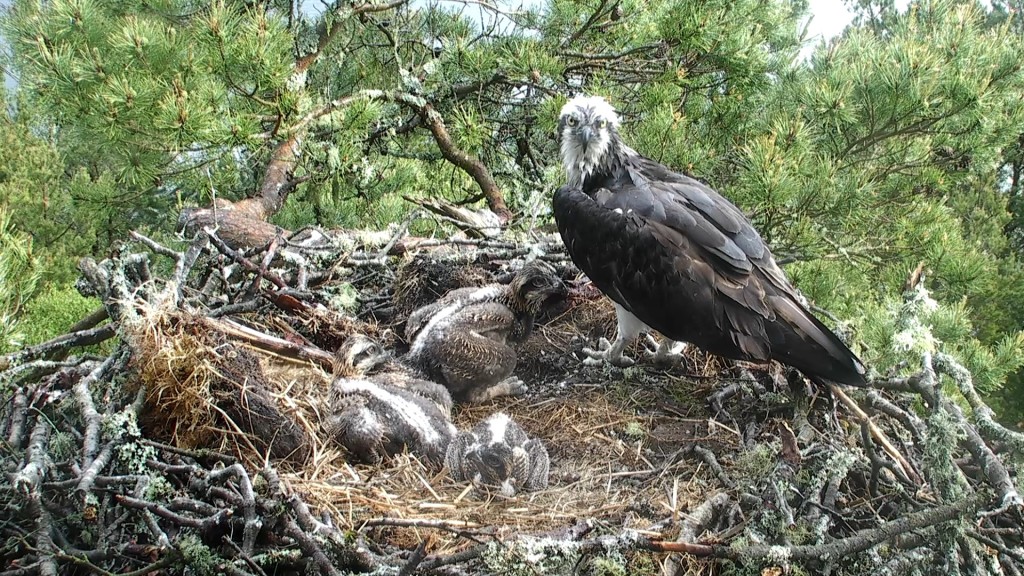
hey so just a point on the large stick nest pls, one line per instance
(196, 439)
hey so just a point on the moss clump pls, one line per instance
(53, 311)
(197, 557)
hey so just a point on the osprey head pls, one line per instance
(536, 286)
(357, 356)
(587, 127)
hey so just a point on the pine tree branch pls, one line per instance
(432, 119)
(594, 17)
(277, 182)
(327, 30)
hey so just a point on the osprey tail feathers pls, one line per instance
(808, 345)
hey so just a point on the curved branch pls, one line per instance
(432, 119)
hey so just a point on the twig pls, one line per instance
(703, 516)
(457, 526)
(204, 525)
(986, 417)
(908, 471)
(28, 479)
(910, 421)
(709, 459)
(310, 548)
(273, 343)
(19, 414)
(92, 417)
(995, 473)
(245, 557)
(88, 477)
(252, 521)
(858, 542)
(59, 346)
(415, 558)
(242, 260)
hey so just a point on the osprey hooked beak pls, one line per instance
(586, 133)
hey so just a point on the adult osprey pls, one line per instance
(676, 256)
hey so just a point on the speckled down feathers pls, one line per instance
(498, 454)
(464, 339)
(380, 415)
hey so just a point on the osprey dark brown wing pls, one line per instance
(677, 270)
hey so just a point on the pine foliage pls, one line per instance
(896, 144)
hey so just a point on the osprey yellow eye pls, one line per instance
(572, 121)
(601, 124)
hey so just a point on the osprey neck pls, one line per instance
(612, 167)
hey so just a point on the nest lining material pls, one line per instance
(610, 460)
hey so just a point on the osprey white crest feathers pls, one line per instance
(585, 128)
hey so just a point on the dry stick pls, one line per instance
(100, 462)
(242, 260)
(996, 474)
(306, 521)
(435, 562)
(28, 481)
(29, 478)
(204, 525)
(859, 542)
(183, 261)
(101, 481)
(190, 505)
(252, 520)
(876, 463)
(708, 457)
(695, 523)
(268, 258)
(910, 421)
(44, 542)
(701, 517)
(184, 265)
(34, 371)
(273, 343)
(19, 414)
(59, 346)
(197, 453)
(30, 570)
(985, 416)
(88, 478)
(159, 536)
(877, 434)
(90, 321)
(305, 517)
(87, 559)
(1014, 553)
(415, 558)
(310, 548)
(245, 558)
(93, 419)
(155, 246)
(457, 526)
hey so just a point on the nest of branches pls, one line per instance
(194, 438)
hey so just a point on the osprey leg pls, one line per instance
(629, 327)
(668, 351)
